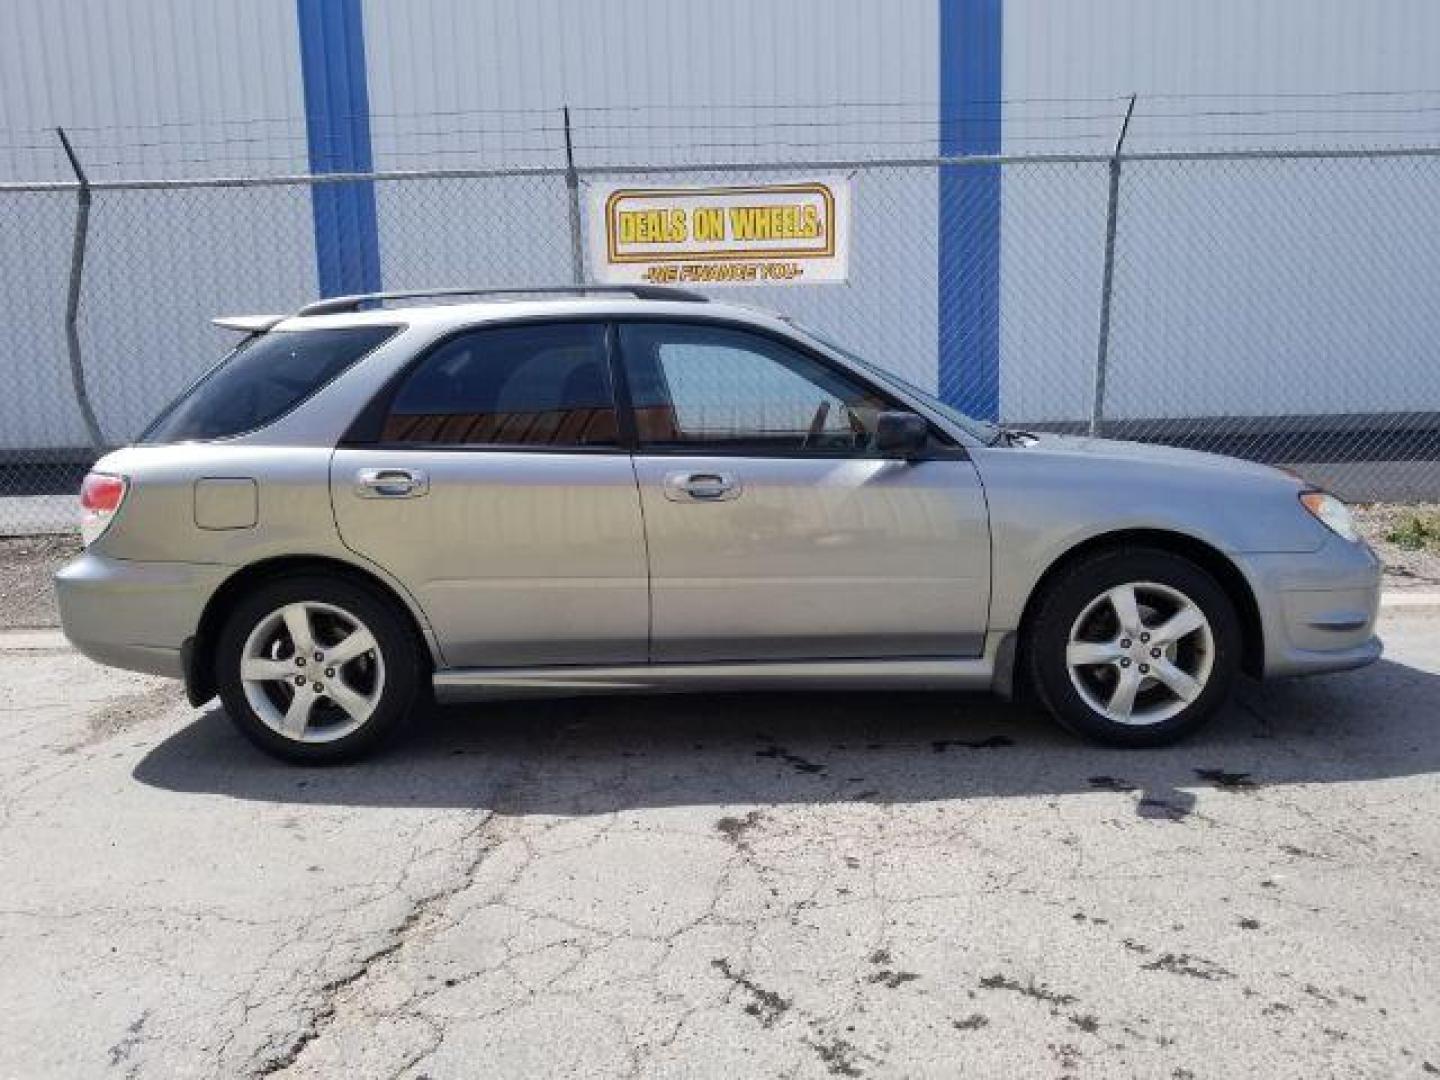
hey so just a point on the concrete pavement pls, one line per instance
(806, 886)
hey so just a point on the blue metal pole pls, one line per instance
(971, 49)
(337, 124)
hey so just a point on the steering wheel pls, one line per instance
(860, 436)
(817, 423)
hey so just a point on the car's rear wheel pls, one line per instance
(1135, 647)
(315, 669)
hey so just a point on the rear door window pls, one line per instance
(537, 385)
(262, 380)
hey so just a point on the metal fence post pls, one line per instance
(572, 186)
(72, 300)
(1107, 282)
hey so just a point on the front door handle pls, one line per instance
(391, 483)
(701, 487)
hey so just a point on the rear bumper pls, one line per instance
(134, 615)
(1318, 609)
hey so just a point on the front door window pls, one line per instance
(713, 389)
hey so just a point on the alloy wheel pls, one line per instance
(1140, 653)
(313, 672)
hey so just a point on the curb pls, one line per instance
(1410, 600)
(12, 641)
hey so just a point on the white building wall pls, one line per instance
(629, 63)
(147, 89)
(656, 82)
(1242, 288)
(1249, 286)
(151, 88)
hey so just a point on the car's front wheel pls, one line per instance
(315, 669)
(1135, 647)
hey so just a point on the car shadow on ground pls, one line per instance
(600, 755)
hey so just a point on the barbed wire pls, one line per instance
(604, 135)
(963, 103)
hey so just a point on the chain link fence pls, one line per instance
(1277, 306)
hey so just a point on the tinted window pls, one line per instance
(545, 385)
(262, 380)
(732, 390)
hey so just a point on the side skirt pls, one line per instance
(916, 673)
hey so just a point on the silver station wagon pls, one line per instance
(622, 490)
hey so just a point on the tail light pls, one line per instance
(100, 496)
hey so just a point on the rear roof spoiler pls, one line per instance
(248, 324)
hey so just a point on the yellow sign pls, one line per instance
(758, 234)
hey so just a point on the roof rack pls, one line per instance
(338, 304)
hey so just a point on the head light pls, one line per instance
(1332, 513)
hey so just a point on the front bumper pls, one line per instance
(1317, 609)
(134, 615)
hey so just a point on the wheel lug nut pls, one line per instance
(1125, 662)
(1144, 669)
(317, 687)
(1124, 643)
(330, 671)
(299, 661)
(299, 680)
(1155, 653)
(319, 657)
(1145, 637)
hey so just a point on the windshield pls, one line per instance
(983, 430)
(266, 377)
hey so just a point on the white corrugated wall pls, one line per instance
(656, 82)
(1231, 280)
(147, 89)
(1242, 288)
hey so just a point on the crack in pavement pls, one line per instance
(651, 902)
(321, 1014)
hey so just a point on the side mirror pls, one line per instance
(900, 434)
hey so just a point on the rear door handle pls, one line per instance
(701, 487)
(391, 483)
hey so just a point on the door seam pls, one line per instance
(649, 574)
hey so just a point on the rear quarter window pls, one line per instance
(261, 381)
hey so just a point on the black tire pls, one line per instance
(398, 655)
(1074, 592)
